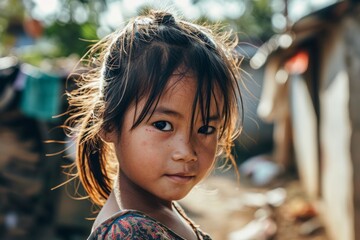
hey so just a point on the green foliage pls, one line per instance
(11, 15)
(262, 15)
(71, 37)
(256, 21)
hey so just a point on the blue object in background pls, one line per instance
(41, 94)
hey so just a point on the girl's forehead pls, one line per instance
(186, 84)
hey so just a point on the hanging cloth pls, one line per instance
(41, 94)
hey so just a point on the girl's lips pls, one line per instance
(180, 178)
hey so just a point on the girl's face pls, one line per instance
(161, 157)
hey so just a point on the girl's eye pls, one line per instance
(163, 126)
(206, 129)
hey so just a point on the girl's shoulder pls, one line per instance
(131, 224)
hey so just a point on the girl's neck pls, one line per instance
(125, 196)
(130, 196)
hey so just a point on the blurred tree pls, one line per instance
(73, 26)
(70, 26)
(11, 18)
(251, 21)
(256, 21)
(69, 30)
(71, 37)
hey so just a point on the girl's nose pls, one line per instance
(184, 151)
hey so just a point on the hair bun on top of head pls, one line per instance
(164, 18)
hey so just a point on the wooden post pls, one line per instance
(353, 64)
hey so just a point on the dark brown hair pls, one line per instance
(136, 63)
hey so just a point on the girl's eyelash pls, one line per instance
(166, 126)
(163, 126)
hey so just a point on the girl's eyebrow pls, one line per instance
(215, 117)
(168, 111)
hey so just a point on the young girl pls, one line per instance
(160, 103)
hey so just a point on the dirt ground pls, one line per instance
(222, 207)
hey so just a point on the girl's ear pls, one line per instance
(108, 136)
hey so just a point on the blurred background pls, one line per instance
(298, 152)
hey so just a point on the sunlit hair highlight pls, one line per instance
(135, 64)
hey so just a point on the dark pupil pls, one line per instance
(203, 129)
(160, 125)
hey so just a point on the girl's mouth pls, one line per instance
(180, 178)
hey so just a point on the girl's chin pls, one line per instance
(175, 197)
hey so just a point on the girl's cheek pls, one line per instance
(209, 151)
(155, 135)
(148, 129)
(207, 145)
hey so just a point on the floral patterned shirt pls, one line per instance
(132, 224)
